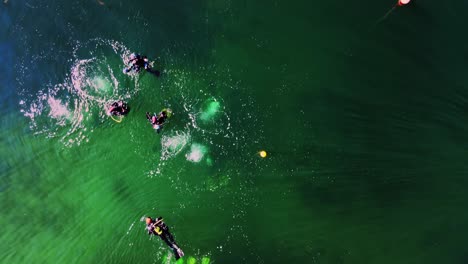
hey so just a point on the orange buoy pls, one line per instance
(403, 2)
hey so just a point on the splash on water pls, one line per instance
(58, 110)
(173, 145)
(92, 82)
(130, 228)
(101, 84)
(209, 117)
(70, 109)
(196, 153)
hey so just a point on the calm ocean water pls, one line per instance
(364, 119)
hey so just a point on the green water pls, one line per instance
(365, 127)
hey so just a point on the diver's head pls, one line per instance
(148, 220)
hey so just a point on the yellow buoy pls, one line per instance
(262, 154)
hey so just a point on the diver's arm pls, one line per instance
(148, 116)
(149, 230)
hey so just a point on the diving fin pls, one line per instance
(179, 251)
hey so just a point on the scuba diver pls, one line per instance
(118, 108)
(137, 62)
(157, 120)
(158, 228)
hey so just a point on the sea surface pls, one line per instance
(362, 110)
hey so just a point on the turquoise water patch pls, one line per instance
(209, 161)
(210, 110)
(169, 259)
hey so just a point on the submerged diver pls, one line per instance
(158, 228)
(119, 108)
(157, 120)
(137, 62)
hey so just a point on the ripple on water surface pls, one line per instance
(71, 109)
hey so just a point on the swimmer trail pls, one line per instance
(399, 3)
(386, 15)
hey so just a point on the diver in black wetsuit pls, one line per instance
(157, 120)
(119, 108)
(137, 62)
(158, 228)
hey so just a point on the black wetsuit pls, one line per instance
(141, 63)
(166, 236)
(138, 62)
(160, 119)
(119, 108)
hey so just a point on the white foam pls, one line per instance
(173, 145)
(197, 152)
(57, 109)
(71, 104)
